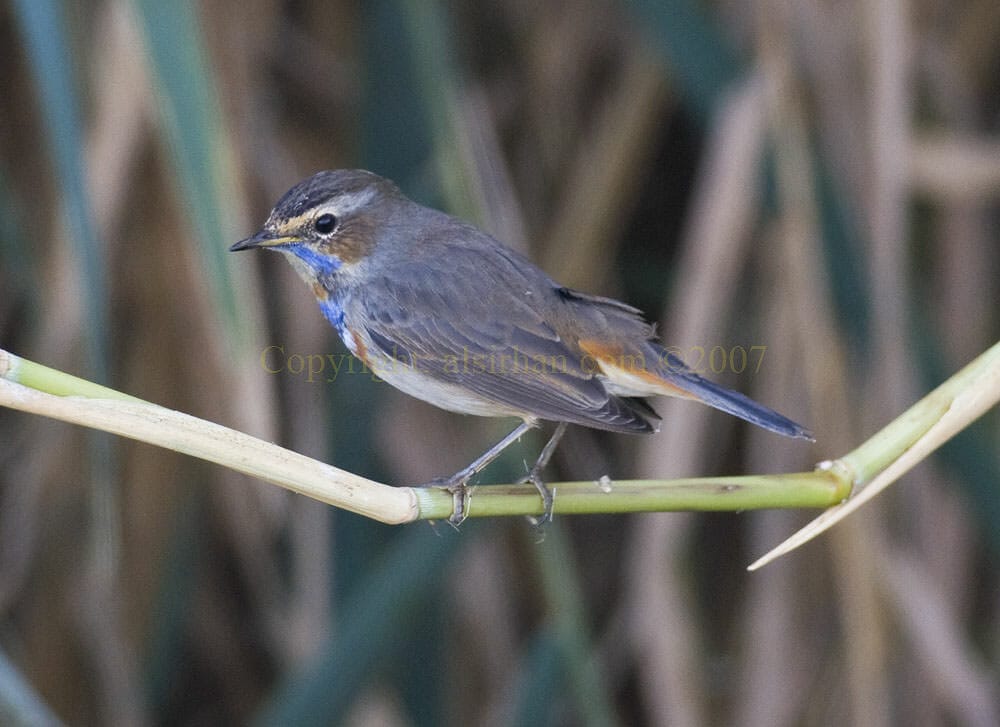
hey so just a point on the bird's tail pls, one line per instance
(677, 375)
(662, 373)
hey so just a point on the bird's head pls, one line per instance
(326, 222)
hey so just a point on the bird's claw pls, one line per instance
(547, 495)
(457, 485)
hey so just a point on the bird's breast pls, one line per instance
(333, 310)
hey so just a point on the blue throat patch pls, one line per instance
(321, 264)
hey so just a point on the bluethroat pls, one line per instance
(446, 313)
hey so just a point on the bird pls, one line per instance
(447, 313)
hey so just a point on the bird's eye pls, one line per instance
(325, 224)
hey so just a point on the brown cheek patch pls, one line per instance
(612, 358)
(354, 241)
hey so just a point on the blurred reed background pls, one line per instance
(818, 178)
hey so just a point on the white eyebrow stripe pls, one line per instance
(347, 203)
(341, 206)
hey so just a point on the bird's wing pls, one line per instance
(474, 320)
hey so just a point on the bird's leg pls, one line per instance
(534, 476)
(456, 484)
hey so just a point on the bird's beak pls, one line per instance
(263, 238)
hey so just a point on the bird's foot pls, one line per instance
(548, 496)
(461, 494)
(534, 476)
